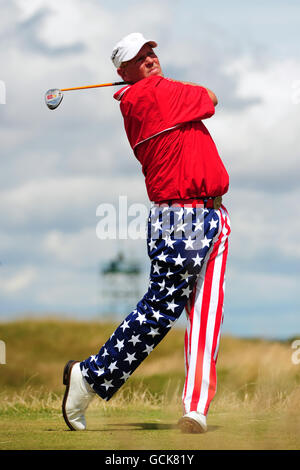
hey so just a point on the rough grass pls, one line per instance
(256, 406)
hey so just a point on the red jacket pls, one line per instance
(163, 122)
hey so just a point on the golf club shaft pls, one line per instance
(94, 86)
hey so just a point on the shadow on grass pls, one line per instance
(149, 426)
(140, 427)
(154, 426)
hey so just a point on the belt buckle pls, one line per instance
(217, 202)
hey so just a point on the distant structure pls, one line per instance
(120, 288)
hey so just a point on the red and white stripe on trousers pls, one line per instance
(204, 319)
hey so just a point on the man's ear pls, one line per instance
(120, 72)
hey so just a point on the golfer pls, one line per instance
(187, 243)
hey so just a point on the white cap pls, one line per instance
(128, 47)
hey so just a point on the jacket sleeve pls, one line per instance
(180, 103)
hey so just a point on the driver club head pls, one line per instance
(53, 98)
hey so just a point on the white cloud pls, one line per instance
(67, 289)
(18, 281)
(263, 287)
(263, 225)
(52, 201)
(259, 143)
(78, 249)
(28, 7)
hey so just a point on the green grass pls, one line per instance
(148, 429)
(256, 406)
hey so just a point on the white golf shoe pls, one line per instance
(77, 397)
(193, 423)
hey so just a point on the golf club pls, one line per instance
(54, 96)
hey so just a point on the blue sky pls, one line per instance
(58, 166)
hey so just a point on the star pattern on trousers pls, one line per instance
(173, 272)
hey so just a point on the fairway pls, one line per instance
(150, 430)
(256, 407)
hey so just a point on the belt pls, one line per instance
(209, 202)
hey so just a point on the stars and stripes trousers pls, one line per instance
(187, 246)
